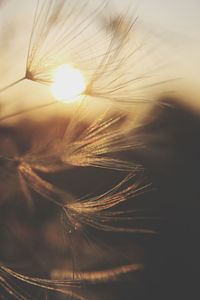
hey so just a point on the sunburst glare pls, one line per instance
(68, 84)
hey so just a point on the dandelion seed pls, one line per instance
(66, 33)
(65, 281)
(30, 181)
(56, 25)
(65, 287)
(36, 183)
(91, 212)
(95, 146)
(74, 280)
(97, 276)
(100, 145)
(10, 289)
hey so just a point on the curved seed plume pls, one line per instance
(113, 197)
(19, 169)
(98, 142)
(65, 281)
(91, 212)
(40, 186)
(97, 276)
(73, 279)
(12, 290)
(65, 287)
(99, 145)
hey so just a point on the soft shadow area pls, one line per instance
(33, 242)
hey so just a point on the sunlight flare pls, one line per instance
(68, 84)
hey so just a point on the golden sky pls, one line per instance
(173, 25)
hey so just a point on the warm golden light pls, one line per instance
(68, 84)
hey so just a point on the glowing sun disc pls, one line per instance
(68, 84)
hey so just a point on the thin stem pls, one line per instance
(12, 84)
(27, 110)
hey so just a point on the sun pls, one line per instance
(67, 84)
